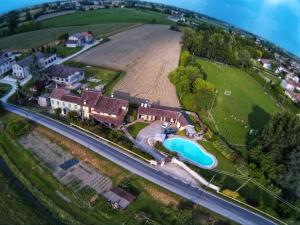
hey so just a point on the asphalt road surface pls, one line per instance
(195, 194)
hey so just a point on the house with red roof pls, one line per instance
(91, 104)
(151, 113)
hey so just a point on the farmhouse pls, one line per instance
(79, 39)
(152, 113)
(21, 68)
(4, 64)
(66, 75)
(92, 104)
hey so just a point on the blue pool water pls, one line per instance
(190, 151)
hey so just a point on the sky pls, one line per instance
(274, 20)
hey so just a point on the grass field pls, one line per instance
(4, 88)
(14, 207)
(246, 108)
(37, 38)
(107, 16)
(135, 128)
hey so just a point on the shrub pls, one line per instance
(72, 117)
(57, 112)
(18, 128)
(231, 193)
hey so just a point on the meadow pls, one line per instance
(241, 108)
(107, 16)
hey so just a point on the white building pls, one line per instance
(21, 69)
(5, 64)
(79, 40)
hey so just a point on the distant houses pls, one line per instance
(266, 63)
(91, 104)
(5, 65)
(79, 40)
(21, 69)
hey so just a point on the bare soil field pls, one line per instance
(147, 54)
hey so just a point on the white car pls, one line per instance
(166, 125)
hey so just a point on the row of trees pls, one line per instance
(220, 46)
(276, 158)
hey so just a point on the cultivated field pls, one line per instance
(147, 53)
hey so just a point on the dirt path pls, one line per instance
(147, 53)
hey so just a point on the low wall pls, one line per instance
(195, 175)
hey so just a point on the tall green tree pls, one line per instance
(12, 20)
(36, 70)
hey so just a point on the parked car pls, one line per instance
(171, 130)
(166, 125)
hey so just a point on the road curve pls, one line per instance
(195, 194)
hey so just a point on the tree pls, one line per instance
(72, 117)
(274, 146)
(12, 20)
(244, 57)
(2, 110)
(63, 37)
(35, 69)
(184, 58)
(187, 38)
(28, 16)
(57, 112)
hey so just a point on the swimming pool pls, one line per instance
(191, 151)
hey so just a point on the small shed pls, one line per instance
(119, 198)
(44, 100)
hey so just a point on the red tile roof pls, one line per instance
(110, 105)
(58, 93)
(90, 98)
(99, 103)
(168, 113)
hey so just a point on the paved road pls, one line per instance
(195, 194)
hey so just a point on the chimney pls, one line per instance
(84, 102)
(112, 95)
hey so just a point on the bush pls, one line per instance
(57, 112)
(18, 128)
(231, 193)
(72, 117)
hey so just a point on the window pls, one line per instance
(57, 102)
(69, 105)
(52, 102)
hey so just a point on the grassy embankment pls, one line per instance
(4, 89)
(102, 23)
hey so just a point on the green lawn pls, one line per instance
(14, 207)
(37, 38)
(248, 107)
(135, 128)
(64, 51)
(4, 89)
(107, 16)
